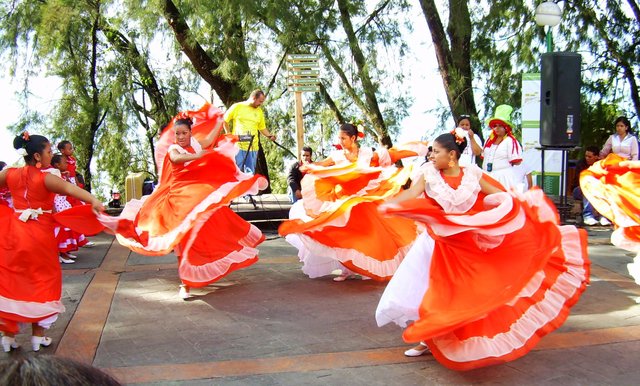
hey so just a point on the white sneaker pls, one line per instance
(65, 261)
(590, 221)
(604, 221)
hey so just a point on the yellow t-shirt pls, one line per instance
(246, 119)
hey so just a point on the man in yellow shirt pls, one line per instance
(247, 119)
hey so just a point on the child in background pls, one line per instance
(68, 240)
(66, 149)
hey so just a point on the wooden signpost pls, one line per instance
(303, 76)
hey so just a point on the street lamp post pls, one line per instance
(548, 14)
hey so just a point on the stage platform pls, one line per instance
(266, 211)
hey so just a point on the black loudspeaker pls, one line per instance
(560, 99)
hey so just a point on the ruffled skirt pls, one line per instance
(31, 278)
(346, 231)
(189, 213)
(491, 289)
(612, 186)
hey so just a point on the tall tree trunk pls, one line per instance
(95, 100)
(636, 10)
(369, 89)
(454, 59)
(229, 91)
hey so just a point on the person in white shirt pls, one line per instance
(623, 142)
(502, 151)
(474, 149)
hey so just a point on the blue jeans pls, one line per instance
(249, 166)
(587, 209)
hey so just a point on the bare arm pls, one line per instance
(178, 158)
(3, 179)
(488, 188)
(268, 134)
(325, 162)
(475, 147)
(212, 136)
(414, 191)
(62, 187)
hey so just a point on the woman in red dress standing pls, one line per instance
(30, 276)
(480, 288)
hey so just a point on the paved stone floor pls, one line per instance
(270, 325)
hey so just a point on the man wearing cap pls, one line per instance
(247, 121)
(502, 151)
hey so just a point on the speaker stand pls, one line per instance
(563, 203)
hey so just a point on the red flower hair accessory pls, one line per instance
(183, 116)
(26, 136)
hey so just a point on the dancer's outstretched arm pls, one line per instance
(213, 135)
(62, 187)
(178, 158)
(414, 191)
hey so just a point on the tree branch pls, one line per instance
(373, 110)
(202, 62)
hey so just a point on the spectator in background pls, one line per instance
(295, 175)
(66, 149)
(502, 151)
(522, 173)
(589, 215)
(474, 149)
(623, 142)
(247, 119)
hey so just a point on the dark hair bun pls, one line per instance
(19, 142)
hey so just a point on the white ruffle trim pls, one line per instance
(452, 200)
(164, 243)
(315, 254)
(220, 267)
(535, 318)
(32, 310)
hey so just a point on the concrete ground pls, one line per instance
(271, 325)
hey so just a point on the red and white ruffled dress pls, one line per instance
(30, 275)
(189, 210)
(68, 240)
(492, 275)
(336, 225)
(612, 186)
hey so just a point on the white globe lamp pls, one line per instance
(548, 13)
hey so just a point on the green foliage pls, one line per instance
(124, 72)
(507, 42)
